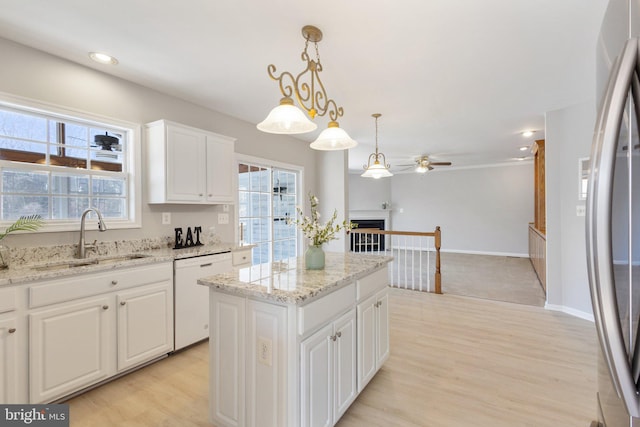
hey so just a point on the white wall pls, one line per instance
(480, 210)
(333, 193)
(29, 73)
(569, 132)
(367, 193)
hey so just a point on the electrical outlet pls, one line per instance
(581, 210)
(265, 351)
(223, 218)
(166, 218)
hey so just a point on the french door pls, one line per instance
(267, 197)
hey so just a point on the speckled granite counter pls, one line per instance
(54, 263)
(288, 282)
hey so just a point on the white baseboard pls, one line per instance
(571, 311)
(511, 254)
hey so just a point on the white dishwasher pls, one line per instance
(191, 319)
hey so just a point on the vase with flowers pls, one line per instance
(24, 223)
(317, 233)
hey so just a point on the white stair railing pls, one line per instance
(416, 256)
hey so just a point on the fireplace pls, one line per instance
(368, 242)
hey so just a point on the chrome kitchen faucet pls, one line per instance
(82, 246)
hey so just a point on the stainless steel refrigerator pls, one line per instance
(613, 216)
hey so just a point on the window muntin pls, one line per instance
(266, 198)
(55, 166)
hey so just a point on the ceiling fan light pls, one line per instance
(286, 118)
(421, 169)
(333, 138)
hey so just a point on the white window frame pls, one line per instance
(259, 161)
(133, 160)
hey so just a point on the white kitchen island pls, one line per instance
(294, 347)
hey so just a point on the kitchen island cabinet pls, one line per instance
(284, 340)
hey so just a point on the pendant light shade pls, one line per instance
(286, 118)
(378, 169)
(333, 138)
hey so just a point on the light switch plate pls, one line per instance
(223, 218)
(581, 210)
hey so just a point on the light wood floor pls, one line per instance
(455, 362)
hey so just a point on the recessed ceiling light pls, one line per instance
(528, 133)
(524, 148)
(103, 58)
(521, 158)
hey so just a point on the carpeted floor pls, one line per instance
(498, 278)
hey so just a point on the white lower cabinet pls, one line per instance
(77, 342)
(373, 336)
(328, 372)
(9, 380)
(69, 347)
(145, 324)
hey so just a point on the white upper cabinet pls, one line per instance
(188, 165)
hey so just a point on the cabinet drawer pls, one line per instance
(241, 257)
(372, 283)
(7, 300)
(325, 309)
(73, 287)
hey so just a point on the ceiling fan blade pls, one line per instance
(430, 167)
(440, 163)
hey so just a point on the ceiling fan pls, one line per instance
(422, 164)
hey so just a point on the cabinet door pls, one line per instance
(366, 341)
(382, 326)
(8, 359)
(220, 176)
(145, 324)
(344, 389)
(186, 164)
(69, 348)
(316, 364)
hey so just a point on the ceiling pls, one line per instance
(459, 80)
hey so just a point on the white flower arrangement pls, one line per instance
(312, 229)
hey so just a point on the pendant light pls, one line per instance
(377, 169)
(309, 91)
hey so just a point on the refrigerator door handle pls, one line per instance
(598, 227)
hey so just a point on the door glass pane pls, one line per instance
(266, 199)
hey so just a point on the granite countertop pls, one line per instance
(288, 282)
(57, 267)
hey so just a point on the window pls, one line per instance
(267, 197)
(57, 166)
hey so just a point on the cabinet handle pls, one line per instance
(339, 334)
(114, 282)
(209, 264)
(333, 337)
(105, 307)
(210, 194)
(123, 303)
(12, 330)
(200, 194)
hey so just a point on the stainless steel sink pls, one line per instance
(92, 261)
(65, 265)
(120, 258)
